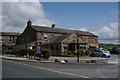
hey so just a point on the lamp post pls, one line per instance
(77, 47)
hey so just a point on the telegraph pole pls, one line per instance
(77, 47)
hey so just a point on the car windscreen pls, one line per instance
(104, 50)
(118, 49)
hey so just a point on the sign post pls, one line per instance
(37, 48)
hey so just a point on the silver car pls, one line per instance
(101, 53)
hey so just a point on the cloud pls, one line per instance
(83, 29)
(16, 14)
(20, 0)
(107, 34)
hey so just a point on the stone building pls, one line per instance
(56, 39)
(8, 39)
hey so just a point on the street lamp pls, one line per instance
(77, 47)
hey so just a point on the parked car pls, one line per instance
(100, 53)
(115, 51)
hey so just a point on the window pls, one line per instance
(95, 41)
(57, 46)
(65, 48)
(52, 47)
(87, 40)
(10, 39)
(39, 36)
(82, 46)
(47, 47)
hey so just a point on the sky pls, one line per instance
(99, 18)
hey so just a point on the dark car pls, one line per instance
(115, 51)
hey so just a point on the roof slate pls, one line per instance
(59, 30)
(58, 39)
(9, 34)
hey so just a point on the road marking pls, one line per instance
(75, 75)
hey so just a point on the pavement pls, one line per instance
(98, 60)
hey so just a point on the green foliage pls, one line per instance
(8, 52)
(16, 52)
(109, 47)
(22, 52)
(87, 53)
(19, 53)
(46, 53)
(4, 51)
(80, 53)
(67, 53)
(30, 52)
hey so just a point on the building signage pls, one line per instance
(38, 47)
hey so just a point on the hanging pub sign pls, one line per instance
(38, 47)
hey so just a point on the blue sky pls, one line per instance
(78, 14)
(99, 18)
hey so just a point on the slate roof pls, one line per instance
(59, 30)
(58, 39)
(9, 34)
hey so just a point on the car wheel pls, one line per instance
(104, 56)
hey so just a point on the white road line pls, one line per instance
(81, 76)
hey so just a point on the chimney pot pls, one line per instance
(29, 23)
(53, 26)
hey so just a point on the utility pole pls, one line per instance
(77, 47)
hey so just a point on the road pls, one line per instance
(21, 69)
(15, 70)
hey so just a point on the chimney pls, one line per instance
(53, 26)
(29, 23)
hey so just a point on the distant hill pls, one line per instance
(108, 46)
(101, 44)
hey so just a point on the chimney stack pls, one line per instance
(29, 23)
(53, 26)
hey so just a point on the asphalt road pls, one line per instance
(21, 69)
(16, 70)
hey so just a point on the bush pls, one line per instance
(67, 53)
(4, 51)
(87, 53)
(80, 53)
(8, 52)
(46, 53)
(22, 52)
(16, 52)
(30, 53)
